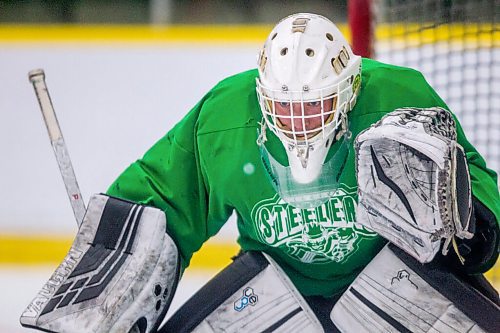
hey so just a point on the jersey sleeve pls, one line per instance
(169, 177)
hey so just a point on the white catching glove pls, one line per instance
(413, 181)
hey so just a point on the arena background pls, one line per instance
(120, 75)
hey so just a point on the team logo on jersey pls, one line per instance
(317, 235)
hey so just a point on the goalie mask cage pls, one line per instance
(454, 43)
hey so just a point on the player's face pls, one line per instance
(304, 119)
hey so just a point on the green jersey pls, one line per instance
(209, 165)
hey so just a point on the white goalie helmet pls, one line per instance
(308, 81)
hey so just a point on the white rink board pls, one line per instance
(113, 103)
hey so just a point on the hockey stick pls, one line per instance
(37, 78)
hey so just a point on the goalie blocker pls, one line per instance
(119, 275)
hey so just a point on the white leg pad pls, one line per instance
(394, 294)
(253, 294)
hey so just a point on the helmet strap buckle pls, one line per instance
(303, 154)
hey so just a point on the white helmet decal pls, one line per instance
(308, 81)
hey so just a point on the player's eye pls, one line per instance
(313, 104)
(284, 104)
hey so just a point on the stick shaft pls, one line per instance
(37, 78)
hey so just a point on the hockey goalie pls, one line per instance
(360, 204)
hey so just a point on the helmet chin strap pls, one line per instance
(340, 131)
(262, 137)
